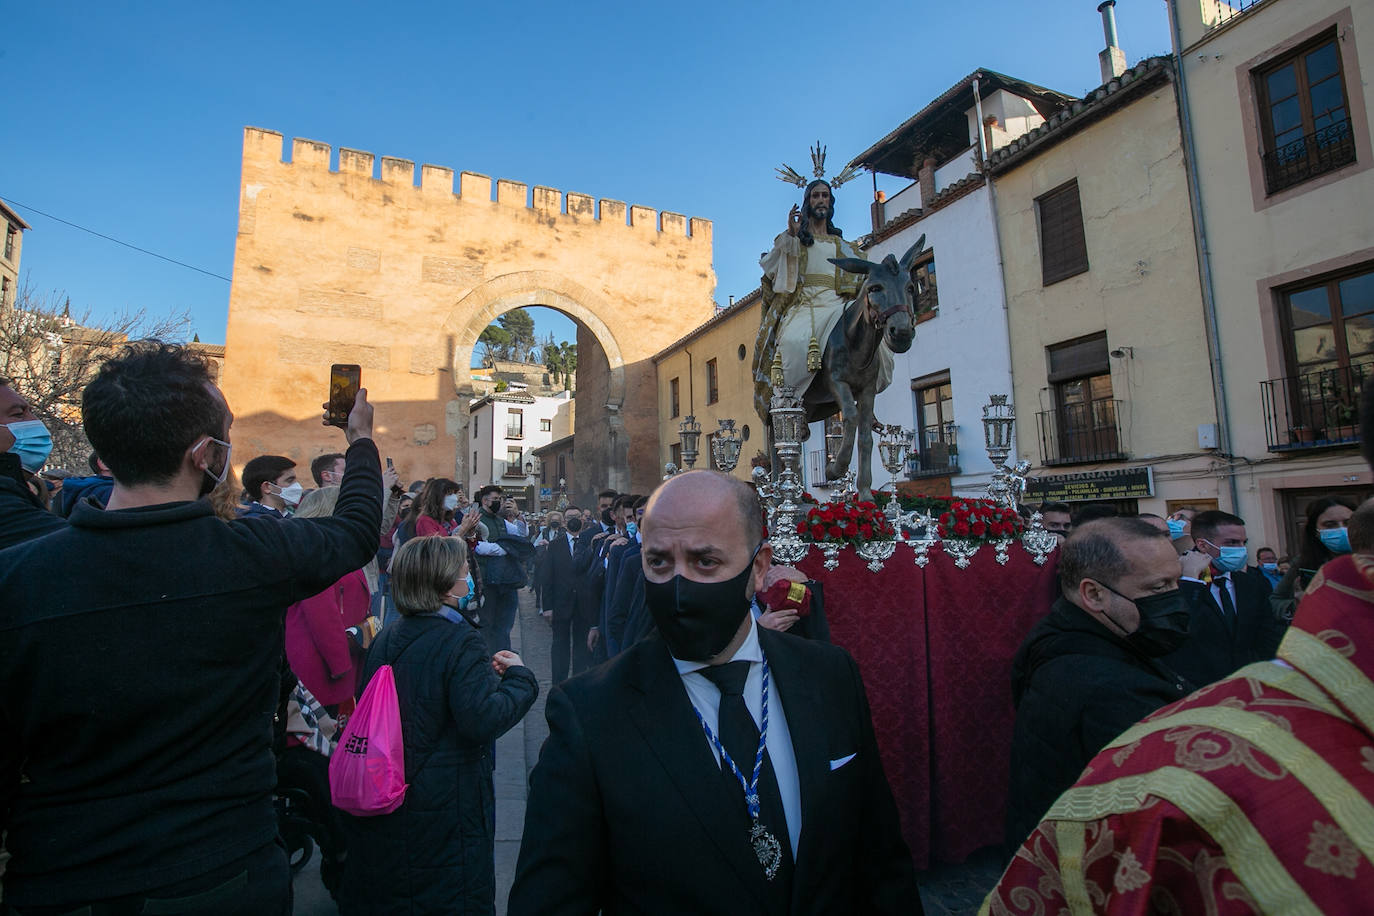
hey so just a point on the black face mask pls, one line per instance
(574, 525)
(555, 525)
(1163, 622)
(698, 619)
(606, 516)
(492, 505)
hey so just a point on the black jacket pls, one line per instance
(556, 579)
(434, 853)
(139, 653)
(1076, 686)
(511, 570)
(628, 812)
(22, 516)
(1217, 645)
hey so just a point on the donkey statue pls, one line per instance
(883, 312)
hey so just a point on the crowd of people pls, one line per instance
(181, 652)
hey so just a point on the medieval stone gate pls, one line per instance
(335, 263)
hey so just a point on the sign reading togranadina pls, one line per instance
(1117, 483)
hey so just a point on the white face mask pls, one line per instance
(291, 495)
(451, 502)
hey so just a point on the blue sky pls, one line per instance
(128, 118)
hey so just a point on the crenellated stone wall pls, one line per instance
(347, 259)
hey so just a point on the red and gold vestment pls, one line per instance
(1252, 795)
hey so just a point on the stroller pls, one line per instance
(306, 820)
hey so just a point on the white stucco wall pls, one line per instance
(490, 442)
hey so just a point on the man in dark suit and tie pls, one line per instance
(638, 803)
(558, 586)
(1230, 621)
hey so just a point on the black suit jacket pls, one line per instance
(629, 585)
(1217, 645)
(557, 580)
(628, 812)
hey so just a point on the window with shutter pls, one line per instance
(1063, 247)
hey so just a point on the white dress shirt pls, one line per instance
(705, 696)
(1220, 581)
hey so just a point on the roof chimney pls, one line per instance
(1112, 60)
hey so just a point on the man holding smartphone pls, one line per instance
(140, 659)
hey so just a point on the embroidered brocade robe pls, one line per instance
(1252, 795)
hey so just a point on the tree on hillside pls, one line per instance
(49, 355)
(520, 326)
(495, 342)
(561, 361)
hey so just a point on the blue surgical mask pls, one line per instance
(1269, 567)
(1336, 540)
(32, 443)
(1176, 526)
(1232, 559)
(631, 529)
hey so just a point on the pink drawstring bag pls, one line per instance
(367, 771)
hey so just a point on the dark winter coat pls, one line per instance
(1076, 686)
(75, 489)
(434, 854)
(22, 516)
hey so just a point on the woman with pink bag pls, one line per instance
(434, 853)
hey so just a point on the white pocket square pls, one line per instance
(841, 761)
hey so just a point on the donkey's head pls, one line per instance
(889, 290)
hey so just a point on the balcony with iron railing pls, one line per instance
(1307, 157)
(1217, 13)
(1317, 409)
(938, 454)
(1082, 433)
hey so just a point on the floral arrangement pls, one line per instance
(844, 522)
(978, 520)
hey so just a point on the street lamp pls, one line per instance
(998, 418)
(690, 432)
(1006, 485)
(725, 447)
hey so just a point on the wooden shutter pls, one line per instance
(1063, 248)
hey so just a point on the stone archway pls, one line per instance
(471, 315)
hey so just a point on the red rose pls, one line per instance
(961, 529)
(851, 529)
(944, 518)
(801, 527)
(817, 532)
(834, 531)
(979, 529)
(866, 531)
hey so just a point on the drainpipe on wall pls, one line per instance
(997, 247)
(1204, 257)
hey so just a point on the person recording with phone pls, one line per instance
(140, 662)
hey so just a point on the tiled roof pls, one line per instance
(1104, 99)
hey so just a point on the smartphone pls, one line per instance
(344, 382)
(389, 465)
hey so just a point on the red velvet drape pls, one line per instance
(935, 646)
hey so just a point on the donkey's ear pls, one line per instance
(852, 265)
(913, 251)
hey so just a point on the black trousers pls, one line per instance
(567, 628)
(260, 882)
